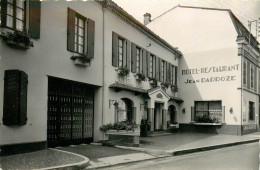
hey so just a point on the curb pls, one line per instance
(79, 165)
(207, 148)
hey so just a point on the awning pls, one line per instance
(119, 86)
(177, 99)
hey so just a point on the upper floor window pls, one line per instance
(139, 61)
(172, 74)
(120, 52)
(81, 34)
(151, 65)
(162, 71)
(244, 72)
(15, 16)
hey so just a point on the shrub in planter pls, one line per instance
(174, 88)
(153, 82)
(17, 39)
(124, 125)
(204, 119)
(83, 58)
(123, 71)
(165, 85)
(140, 76)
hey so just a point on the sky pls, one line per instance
(245, 10)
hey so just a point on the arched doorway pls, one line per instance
(125, 110)
(172, 114)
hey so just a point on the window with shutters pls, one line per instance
(151, 65)
(244, 73)
(15, 15)
(252, 76)
(172, 75)
(79, 34)
(162, 72)
(120, 52)
(139, 60)
(251, 111)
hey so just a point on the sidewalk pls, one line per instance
(96, 156)
(45, 159)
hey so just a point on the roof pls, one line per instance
(113, 7)
(121, 86)
(240, 28)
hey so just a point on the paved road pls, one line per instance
(242, 157)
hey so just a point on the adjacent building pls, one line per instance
(61, 85)
(219, 72)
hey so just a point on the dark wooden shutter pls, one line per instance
(34, 18)
(248, 74)
(255, 79)
(148, 59)
(176, 74)
(168, 73)
(15, 98)
(154, 66)
(90, 38)
(258, 81)
(115, 49)
(23, 98)
(128, 54)
(3, 12)
(157, 75)
(133, 58)
(144, 62)
(160, 73)
(71, 30)
(124, 54)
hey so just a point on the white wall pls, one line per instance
(49, 57)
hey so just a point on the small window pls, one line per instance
(162, 70)
(251, 111)
(79, 34)
(139, 61)
(120, 52)
(151, 65)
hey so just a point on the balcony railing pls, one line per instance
(208, 116)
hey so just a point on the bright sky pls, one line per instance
(245, 10)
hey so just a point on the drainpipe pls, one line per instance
(103, 71)
(242, 65)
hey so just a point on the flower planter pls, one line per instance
(18, 45)
(78, 62)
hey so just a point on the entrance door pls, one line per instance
(70, 112)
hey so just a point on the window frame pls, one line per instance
(172, 78)
(151, 66)
(121, 62)
(162, 71)
(208, 109)
(84, 19)
(252, 77)
(139, 63)
(14, 15)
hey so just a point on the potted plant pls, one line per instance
(81, 60)
(123, 71)
(17, 39)
(153, 82)
(140, 77)
(174, 88)
(165, 85)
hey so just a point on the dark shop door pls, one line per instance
(70, 112)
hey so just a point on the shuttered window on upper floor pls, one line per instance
(13, 16)
(80, 34)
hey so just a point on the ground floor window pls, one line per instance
(208, 111)
(251, 111)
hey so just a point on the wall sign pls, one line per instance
(207, 70)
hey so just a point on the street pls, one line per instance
(244, 157)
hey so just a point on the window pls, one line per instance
(206, 110)
(79, 34)
(252, 76)
(15, 15)
(151, 65)
(162, 70)
(172, 74)
(120, 52)
(139, 61)
(244, 73)
(251, 111)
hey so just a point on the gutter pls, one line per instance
(103, 71)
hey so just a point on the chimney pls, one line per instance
(147, 18)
